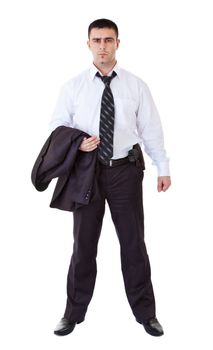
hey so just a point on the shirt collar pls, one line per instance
(94, 70)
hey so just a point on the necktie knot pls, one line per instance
(106, 79)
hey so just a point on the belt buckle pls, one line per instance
(110, 162)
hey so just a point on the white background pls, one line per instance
(168, 44)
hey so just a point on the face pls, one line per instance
(103, 45)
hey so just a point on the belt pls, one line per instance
(133, 156)
(114, 162)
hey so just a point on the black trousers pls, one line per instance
(121, 186)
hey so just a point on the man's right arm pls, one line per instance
(63, 115)
(63, 111)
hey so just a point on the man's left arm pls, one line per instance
(150, 130)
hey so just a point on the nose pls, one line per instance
(102, 44)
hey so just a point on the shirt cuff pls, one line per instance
(163, 168)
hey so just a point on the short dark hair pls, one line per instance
(103, 23)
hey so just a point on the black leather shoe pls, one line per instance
(65, 327)
(152, 326)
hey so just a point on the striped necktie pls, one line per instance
(107, 116)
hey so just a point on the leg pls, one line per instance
(82, 271)
(124, 195)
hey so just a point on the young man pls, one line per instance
(117, 110)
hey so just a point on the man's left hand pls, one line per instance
(164, 182)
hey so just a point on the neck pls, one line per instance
(105, 69)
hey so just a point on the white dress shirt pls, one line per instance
(136, 117)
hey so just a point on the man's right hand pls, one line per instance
(89, 144)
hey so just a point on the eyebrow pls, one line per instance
(98, 38)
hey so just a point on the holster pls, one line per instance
(136, 155)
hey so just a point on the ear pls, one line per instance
(88, 44)
(118, 43)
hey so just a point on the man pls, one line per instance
(117, 110)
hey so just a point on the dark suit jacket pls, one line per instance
(77, 171)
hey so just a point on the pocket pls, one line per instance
(139, 171)
(126, 109)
